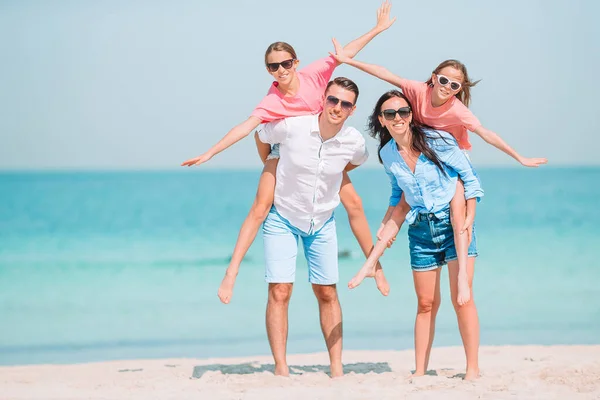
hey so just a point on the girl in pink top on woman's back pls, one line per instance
(293, 93)
(442, 103)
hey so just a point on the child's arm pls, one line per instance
(377, 71)
(236, 133)
(496, 141)
(383, 23)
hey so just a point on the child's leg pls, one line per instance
(360, 228)
(458, 211)
(388, 233)
(256, 216)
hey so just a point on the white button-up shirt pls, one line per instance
(310, 170)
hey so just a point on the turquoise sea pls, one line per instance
(121, 265)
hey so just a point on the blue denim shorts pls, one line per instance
(274, 154)
(280, 240)
(431, 242)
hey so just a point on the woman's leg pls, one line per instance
(468, 321)
(427, 288)
(360, 228)
(256, 216)
(458, 211)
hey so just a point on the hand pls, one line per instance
(197, 161)
(533, 162)
(378, 234)
(339, 55)
(468, 228)
(383, 17)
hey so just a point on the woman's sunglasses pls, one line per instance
(454, 85)
(390, 114)
(332, 101)
(287, 64)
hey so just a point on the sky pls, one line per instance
(148, 84)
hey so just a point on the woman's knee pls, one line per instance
(428, 304)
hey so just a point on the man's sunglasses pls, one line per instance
(454, 85)
(332, 101)
(390, 114)
(287, 64)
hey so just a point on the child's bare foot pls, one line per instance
(226, 289)
(472, 374)
(368, 271)
(381, 282)
(464, 292)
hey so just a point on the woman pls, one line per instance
(424, 165)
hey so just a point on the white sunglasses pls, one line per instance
(444, 81)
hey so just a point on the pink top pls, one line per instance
(309, 99)
(453, 116)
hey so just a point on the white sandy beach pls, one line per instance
(517, 372)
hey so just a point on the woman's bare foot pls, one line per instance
(417, 374)
(226, 289)
(472, 374)
(464, 291)
(281, 370)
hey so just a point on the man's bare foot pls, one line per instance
(282, 370)
(381, 282)
(472, 374)
(336, 370)
(464, 292)
(226, 289)
(417, 374)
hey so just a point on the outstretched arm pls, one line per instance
(495, 140)
(377, 71)
(237, 133)
(383, 23)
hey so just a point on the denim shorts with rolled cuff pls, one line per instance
(280, 239)
(431, 242)
(274, 154)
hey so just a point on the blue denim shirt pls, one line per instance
(428, 190)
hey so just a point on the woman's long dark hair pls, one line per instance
(419, 136)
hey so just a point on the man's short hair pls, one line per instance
(344, 83)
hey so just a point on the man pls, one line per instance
(315, 150)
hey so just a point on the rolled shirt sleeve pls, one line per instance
(447, 149)
(273, 132)
(396, 191)
(361, 154)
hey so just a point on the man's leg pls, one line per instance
(330, 314)
(277, 324)
(281, 247)
(321, 253)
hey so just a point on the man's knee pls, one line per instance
(325, 293)
(280, 292)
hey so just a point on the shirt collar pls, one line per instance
(314, 129)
